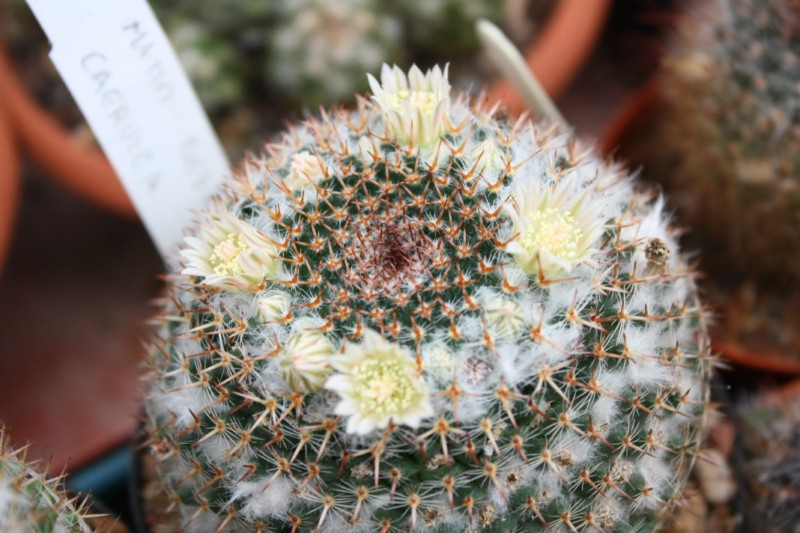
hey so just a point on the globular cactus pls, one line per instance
(771, 438)
(418, 316)
(30, 502)
(730, 84)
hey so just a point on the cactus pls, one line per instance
(771, 438)
(418, 316)
(32, 503)
(319, 50)
(730, 85)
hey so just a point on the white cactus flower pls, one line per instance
(274, 306)
(305, 361)
(416, 106)
(378, 382)
(231, 253)
(555, 229)
(305, 171)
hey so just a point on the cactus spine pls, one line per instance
(32, 503)
(416, 316)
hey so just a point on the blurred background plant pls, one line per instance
(252, 61)
(770, 427)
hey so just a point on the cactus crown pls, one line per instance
(415, 316)
(730, 83)
(32, 503)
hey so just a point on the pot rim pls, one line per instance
(560, 51)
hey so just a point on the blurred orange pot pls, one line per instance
(9, 182)
(84, 170)
(765, 361)
(633, 115)
(558, 54)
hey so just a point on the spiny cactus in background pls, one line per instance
(416, 316)
(771, 437)
(731, 85)
(319, 49)
(316, 51)
(32, 503)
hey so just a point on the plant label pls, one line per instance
(121, 69)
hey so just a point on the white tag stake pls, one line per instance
(512, 65)
(121, 69)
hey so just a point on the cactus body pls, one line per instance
(415, 316)
(32, 503)
(731, 87)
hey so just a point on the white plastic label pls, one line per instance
(122, 71)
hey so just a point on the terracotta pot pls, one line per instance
(81, 169)
(9, 182)
(633, 115)
(557, 55)
(767, 361)
(632, 123)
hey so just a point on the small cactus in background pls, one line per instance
(731, 84)
(416, 316)
(309, 52)
(771, 438)
(32, 503)
(319, 50)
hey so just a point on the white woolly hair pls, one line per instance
(260, 502)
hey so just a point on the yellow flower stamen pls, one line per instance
(225, 257)
(553, 231)
(425, 101)
(383, 387)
